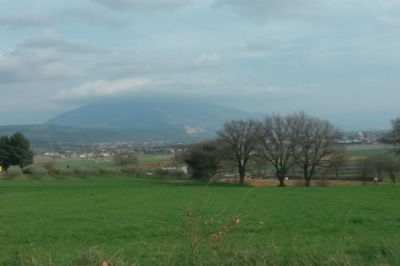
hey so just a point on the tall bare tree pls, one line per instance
(365, 169)
(277, 141)
(393, 137)
(240, 139)
(315, 140)
(384, 163)
(337, 160)
(377, 166)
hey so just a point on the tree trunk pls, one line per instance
(242, 174)
(307, 177)
(281, 179)
(393, 177)
(241, 180)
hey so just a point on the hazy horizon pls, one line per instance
(336, 60)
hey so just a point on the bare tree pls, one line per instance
(277, 141)
(381, 164)
(240, 139)
(315, 140)
(393, 137)
(337, 160)
(393, 168)
(125, 158)
(259, 165)
(384, 163)
(365, 169)
(178, 159)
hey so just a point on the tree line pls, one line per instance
(284, 142)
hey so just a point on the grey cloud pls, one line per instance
(35, 65)
(265, 9)
(262, 5)
(50, 40)
(118, 65)
(27, 20)
(135, 4)
(92, 18)
(22, 21)
(46, 57)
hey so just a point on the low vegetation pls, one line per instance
(155, 222)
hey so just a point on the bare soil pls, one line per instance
(299, 183)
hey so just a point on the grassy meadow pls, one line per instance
(90, 163)
(371, 152)
(157, 222)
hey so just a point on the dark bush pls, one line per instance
(169, 172)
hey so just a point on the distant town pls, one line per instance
(105, 151)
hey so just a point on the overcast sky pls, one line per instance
(337, 59)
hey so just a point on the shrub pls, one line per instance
(84, 171)
(67, 172)
(27, 171)
(38, 171)
(50, 166)
(129, 170)
(14, 171)
(169, 172)
(107, 171)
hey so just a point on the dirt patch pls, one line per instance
(299, 183)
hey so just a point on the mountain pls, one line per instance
(191, 117)
(138, 120)
(51, 137)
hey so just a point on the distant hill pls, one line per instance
(131, 120)
(51, 137)
(189, 117)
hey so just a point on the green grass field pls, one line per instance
(86, 164)
(155, 222)
(372, 152)
(156, 158)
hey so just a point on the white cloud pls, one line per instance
(133, 4)
(104, 88)
(206, 59)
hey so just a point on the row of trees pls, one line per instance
(378, 166)
(283, 141)
(15, 150)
